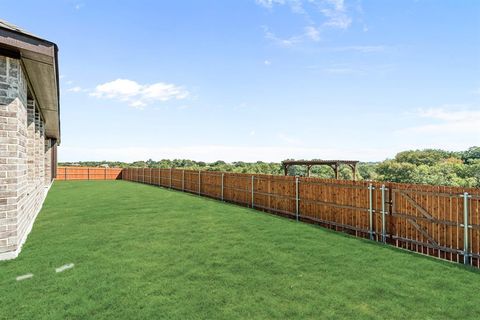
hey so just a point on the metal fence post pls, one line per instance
(384, 233)
(370, 210)
(466, 254)
(296, 199)
(183, 180)
(199, 184)
(222, 184)
(253, 177)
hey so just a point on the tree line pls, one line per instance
(428, 166)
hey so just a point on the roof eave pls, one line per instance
(40, 60)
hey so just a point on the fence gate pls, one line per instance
(432, 220)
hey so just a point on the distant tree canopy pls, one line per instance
(427, 157)
(472, 154)
(433, 166)
(428, 166)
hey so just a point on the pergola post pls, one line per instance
(334, 167)
(354, 171)
(334, 164)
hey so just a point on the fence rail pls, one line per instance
(88, 173)
(437, 221)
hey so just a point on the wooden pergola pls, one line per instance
(334, 164)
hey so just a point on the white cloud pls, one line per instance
(75, 89)
(335, 13)
(267, 62)
(323, 13)
(355, 69)
(120, 88)
(269, 3)
(164, 91)
(138, 95)
(449, 115)
(449, 127)
(448, 120)
(312, 33)
(297, 7)
(339, 5)
(138, 104)
(283, 42)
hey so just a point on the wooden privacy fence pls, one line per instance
(438, 221)
(88, 173)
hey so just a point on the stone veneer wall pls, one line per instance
(23, 159)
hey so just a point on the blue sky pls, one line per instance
(261, 80)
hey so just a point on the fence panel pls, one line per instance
(176, 179)
(212, 184)
(88, 173)
(191, 181)
(236, 188)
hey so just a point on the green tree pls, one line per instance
(471, 154)
(427, 156)
(391, 170)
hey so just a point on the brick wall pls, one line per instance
(22, 159)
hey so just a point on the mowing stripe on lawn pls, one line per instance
(64, 267)
(24, 277)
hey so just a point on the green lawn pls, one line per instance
(141, 252)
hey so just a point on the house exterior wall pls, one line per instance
(23, 156)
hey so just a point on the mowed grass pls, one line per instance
(142, 252)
